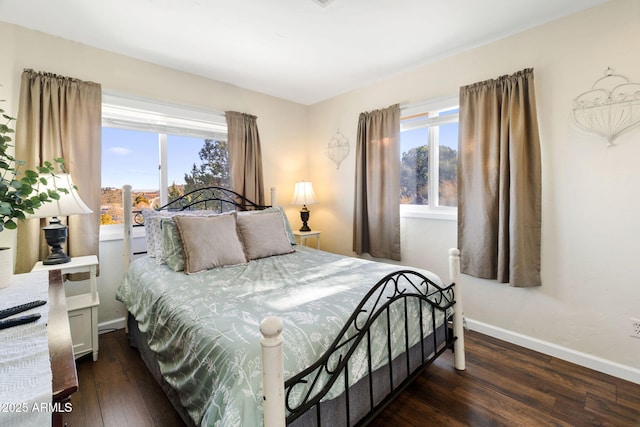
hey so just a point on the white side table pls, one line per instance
(302, 236)
(83, 308)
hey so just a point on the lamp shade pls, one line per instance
(69, 202)
(303, 194)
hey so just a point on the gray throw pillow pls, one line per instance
(209, 242)
(264, 235)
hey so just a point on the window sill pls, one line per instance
(421, 212)
(116, 232)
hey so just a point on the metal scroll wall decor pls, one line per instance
(610, 108)
(338, 148)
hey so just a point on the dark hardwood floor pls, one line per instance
(504, 385)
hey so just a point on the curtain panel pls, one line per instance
(61, 117)
(377, 199)
(245, 156)
(499, 181)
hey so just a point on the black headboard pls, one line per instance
(213, 198)
(219, 199)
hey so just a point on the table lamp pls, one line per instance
(69, 204)
(303, 195)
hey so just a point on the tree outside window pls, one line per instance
(213, 169)
(429, 143)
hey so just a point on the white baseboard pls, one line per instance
(112, 325)
(583, 359)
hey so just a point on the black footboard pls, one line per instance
(424, 306)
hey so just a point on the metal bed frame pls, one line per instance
(302, 400)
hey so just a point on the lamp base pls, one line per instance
(56, 234)
(304, 216)
(57, 258)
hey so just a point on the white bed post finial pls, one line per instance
(458, 317)
(273, 196)
(127, 208)
(272, 372)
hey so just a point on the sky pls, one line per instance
(416, 137)
(132, 157)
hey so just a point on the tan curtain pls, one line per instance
(377, 204)
(499, 209)
(245, 156)
(61, 117)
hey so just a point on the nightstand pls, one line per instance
(83, 308)
(302, 236)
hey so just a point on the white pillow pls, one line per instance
(152, 229)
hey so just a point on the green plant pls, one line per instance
(18, 189)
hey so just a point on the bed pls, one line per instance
(289, 335)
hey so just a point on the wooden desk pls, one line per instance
(63, 366)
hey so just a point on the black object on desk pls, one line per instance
(7, 323)
(20, 308)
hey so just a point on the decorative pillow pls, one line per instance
(172, 245)
(209, 241)
(285, 220)
(153, 229)
(264, 235)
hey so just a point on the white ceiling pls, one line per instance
(293, 49)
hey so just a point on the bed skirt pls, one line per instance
(138, 341)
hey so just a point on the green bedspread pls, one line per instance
(204, 327)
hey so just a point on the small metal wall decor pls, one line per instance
(610, 108)
(338, 148)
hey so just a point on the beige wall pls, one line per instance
(591, 203)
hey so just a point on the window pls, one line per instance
(429, 148)
(161, 150)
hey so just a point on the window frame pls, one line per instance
(432, 123)
(141, 114)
